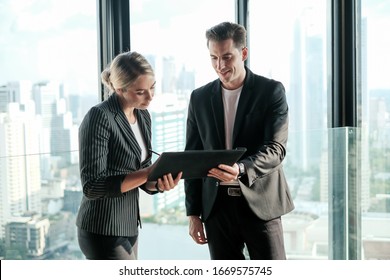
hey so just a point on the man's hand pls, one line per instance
(197, 230)
(225, 173)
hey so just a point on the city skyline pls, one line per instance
(40, 111)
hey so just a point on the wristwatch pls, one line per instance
(241, 168)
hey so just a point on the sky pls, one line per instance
(40, 40)
(377, 13)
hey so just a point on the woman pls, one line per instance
(115, 160)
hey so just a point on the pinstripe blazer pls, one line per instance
(109, 151)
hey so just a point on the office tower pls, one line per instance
(20, 91)
(20, 179)
(80, 104)
(4, 98)
(72, 199)
(168, 113)
(186, 82)
(64, 138)
(16, 91)
(307, 96)
(59, 135)
(47, 99)
(169, 75)
(27, 235)
(46, 95)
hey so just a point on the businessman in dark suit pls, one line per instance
(115, 160)
(241, 204)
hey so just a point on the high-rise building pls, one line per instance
(59, 135)
(168, 113)
(4, 98)
(64, 138)
(169, 75)
(16, 92)
(20, 180)
(307, 96)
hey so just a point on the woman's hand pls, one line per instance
(167, 182)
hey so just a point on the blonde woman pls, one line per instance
(115, 160)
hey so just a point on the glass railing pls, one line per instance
(342, 210)
(338, 180)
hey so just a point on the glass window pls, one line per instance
(288, 42)
(171, 34)
(48, 80)
(374, 93)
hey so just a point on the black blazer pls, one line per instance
(261, 126)
(108, 151)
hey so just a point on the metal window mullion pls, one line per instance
(242, 17)
(344, 189)
(113, 32)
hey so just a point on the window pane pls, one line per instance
(288, 42)
(374, 93)
(171, 34)
(48, 80)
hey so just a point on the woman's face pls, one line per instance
(140, 93)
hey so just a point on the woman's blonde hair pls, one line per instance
(124, 70)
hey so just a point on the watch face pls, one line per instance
(242, 168)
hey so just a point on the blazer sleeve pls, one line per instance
(94, 134)
(145, 164)
(273, 150)
(193, 187)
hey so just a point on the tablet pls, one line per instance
(193, 163)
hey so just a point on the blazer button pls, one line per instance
(217, 184)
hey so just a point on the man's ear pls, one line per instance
(244, 53)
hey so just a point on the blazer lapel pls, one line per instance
(243, 104)
(218, 113)
(145, 127)
(124, 125)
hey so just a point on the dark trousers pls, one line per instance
(232, 225)
(102, 247)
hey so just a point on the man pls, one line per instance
(241, 204)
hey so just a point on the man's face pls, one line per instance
(228, 62)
